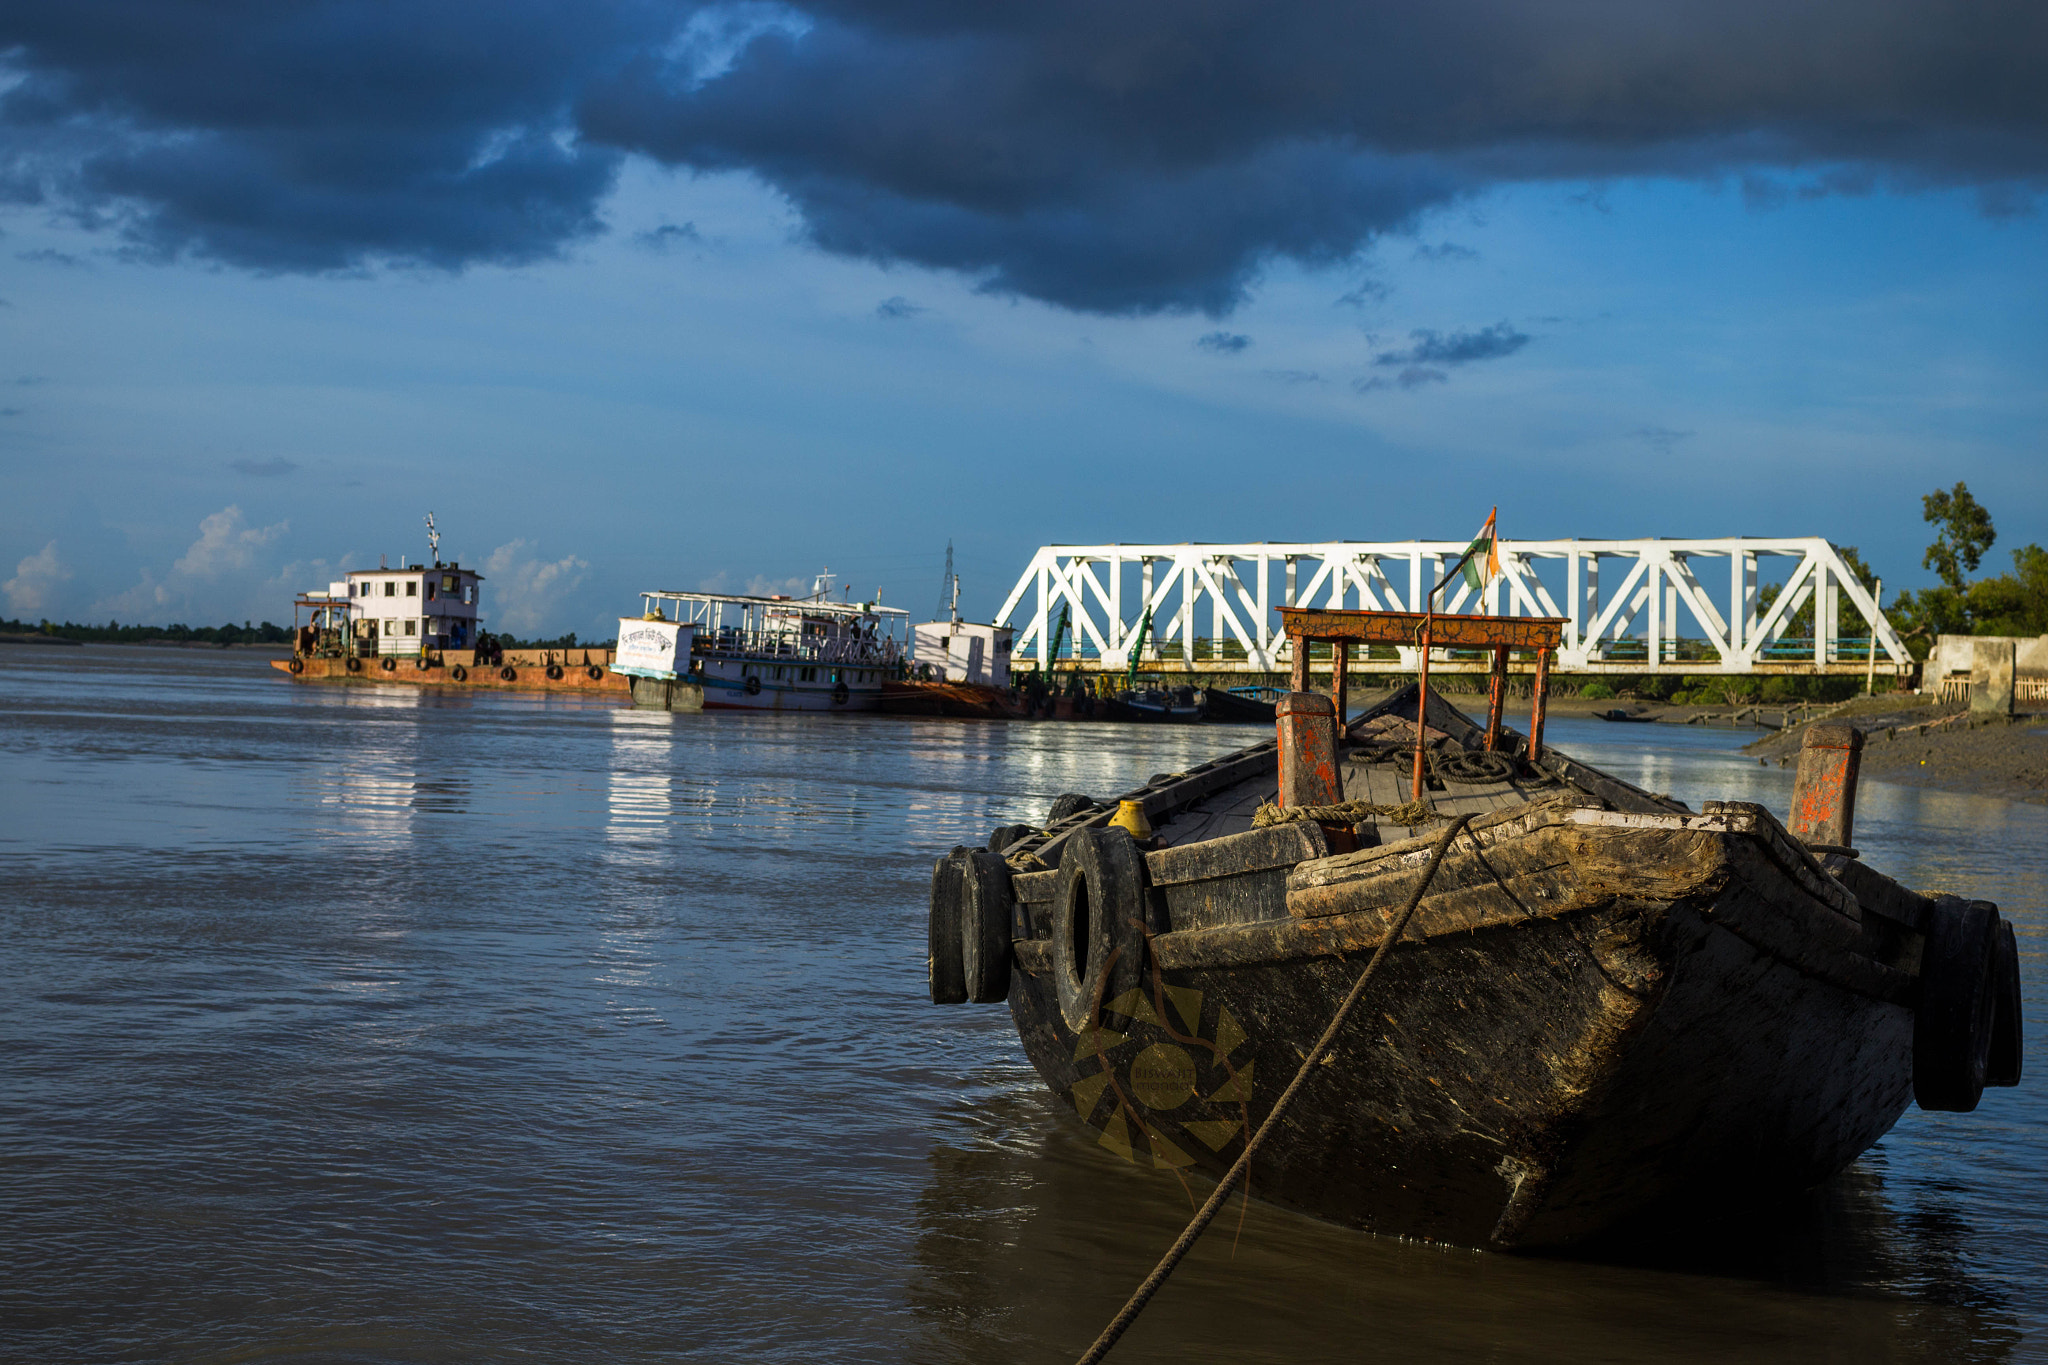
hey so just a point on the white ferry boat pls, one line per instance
(779, 653)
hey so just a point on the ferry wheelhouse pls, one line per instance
(782, 653)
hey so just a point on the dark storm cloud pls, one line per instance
(1117, 157)
(263, 469)
(1224, 343)
(670, 237)
(1456, 348)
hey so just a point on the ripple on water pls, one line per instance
(361, 1023)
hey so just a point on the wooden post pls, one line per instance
(1421, 706)
(1824, 797)
(1306, 727)
(1496, 696)
(1542, 694)
(1340, 656)
(1297, 678)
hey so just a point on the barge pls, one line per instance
(778, 653)
(422, 624)
(1608, 1015)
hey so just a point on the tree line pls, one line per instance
(114, 633)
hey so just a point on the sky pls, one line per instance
(717, 297)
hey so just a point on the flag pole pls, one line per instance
(1422, 659)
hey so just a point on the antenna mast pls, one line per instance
(949, 587)
(433, 540)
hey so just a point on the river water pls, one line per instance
(361, 1024)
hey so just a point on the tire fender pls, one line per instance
(594, 673)
(298, 665)
(942, 961)
(389, 665)
(508, 673)
(2008, 1038)
(355, 665)
(985, 927)
(1952, 1027)
(1098, 934)
(459, 673)
(554, 672)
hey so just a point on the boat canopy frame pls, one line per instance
(1425, 632)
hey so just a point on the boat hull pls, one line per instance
(771, 684)
(1590, 1024)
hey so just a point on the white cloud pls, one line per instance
(225, 545)
(524, 589)
(34, 577)
(223, 555)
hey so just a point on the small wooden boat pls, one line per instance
(1159, 705)
(1241, 705)
(1621, 714)
(1608, 1012)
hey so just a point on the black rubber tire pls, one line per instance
(298, 665)
(840, 693)
(1005, 835)
(594, 673)
(554, 672)
(942, 964)
(459, 673)
(2008, 1037)
(985, 928)
(753, 685)
(1066, 804)
(389, 665)
(1098, 936)
(421, 665)
(354, 665)
(508, 673)
(1952, 1028)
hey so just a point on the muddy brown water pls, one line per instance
(362, 1024)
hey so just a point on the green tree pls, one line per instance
(1966, 533)
(2013, 603)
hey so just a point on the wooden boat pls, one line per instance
(1609, 1011)
(1159, 705)
(1620, 714)
(1240, 705)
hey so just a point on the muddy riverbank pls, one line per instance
(1909, 740)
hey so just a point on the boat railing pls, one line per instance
(880, 651)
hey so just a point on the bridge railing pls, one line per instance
(1632, 606)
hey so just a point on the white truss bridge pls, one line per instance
(1630, 606)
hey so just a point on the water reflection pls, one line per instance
(1030, 1238)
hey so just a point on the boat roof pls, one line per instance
(820, 605)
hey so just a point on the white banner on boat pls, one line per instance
(653, 649)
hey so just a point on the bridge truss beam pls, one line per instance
(1626, 602)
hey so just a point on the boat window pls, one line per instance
(430, 590)
(391, 588)
(412, 590)
(412, 626)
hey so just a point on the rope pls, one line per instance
(1207, 1214)
(1346, 813)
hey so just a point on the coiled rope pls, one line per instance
(1207, 1214)
(1346, 813)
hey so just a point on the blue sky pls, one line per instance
(705, 387)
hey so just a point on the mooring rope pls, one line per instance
(1346, 813)
(1207, 1213)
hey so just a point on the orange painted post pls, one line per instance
(1824, 798)
(1306, 724)
(1496, 696)
(1536, 704)
(1421, 705)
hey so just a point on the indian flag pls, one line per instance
(1482, 556)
